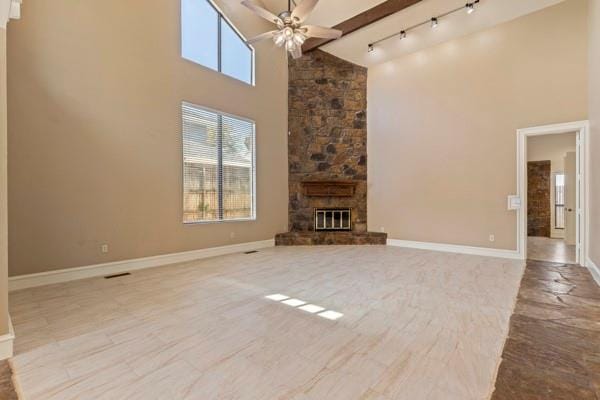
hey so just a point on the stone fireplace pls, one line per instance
(327, 150)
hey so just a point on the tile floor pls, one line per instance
(553, 349)
(552, 250)
(7, 391)
(414, 325)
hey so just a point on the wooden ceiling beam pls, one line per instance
(361, 20)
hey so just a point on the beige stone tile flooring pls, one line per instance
(552, 250)
(417, 325)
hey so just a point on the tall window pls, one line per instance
(207, 38)
(218, 166)
(559, 201)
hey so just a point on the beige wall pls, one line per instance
(94, 97)
(443, 121)
(3, 187)
(552, 148)
(595, 131)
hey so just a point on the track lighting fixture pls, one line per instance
(434, 22)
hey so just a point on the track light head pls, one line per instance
(470, 7)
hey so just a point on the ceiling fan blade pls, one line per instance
(262, 36)
(297, 52)
(322, 32)
(303, 10)
(261, 12)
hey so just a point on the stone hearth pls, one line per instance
(330, 238)
(327, 149)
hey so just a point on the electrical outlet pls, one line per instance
(492, 238)
(232, 235)
(104, 248)
(382, 229)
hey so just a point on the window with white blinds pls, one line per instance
(218, 166)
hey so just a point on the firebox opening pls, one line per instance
(333, 219)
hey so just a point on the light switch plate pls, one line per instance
(514, 202)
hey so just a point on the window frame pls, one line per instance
(254, 205)
(221, 17)
(563, 205)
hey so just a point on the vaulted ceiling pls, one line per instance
(328, 12)
(353, 47)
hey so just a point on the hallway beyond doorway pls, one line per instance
(552, 250)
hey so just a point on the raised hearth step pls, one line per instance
(309, 238)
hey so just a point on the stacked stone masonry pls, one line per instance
(538, 198)
(328, 134)
(327, 142)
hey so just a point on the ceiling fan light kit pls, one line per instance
(291, 32)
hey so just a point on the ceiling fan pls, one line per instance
(291, 32)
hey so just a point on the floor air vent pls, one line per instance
(117, 275)
(251, 252)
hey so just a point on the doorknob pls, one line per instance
(569, 209)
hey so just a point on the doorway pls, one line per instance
(552, 179)
(551, 189)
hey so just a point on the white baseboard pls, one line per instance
(594, 270)
(90, 271)
(452, 248)
(6, 342)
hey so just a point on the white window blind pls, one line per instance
(218, 166)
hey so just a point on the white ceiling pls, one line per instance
(354, 46)
(328, 12)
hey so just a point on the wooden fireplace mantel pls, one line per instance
(329, 188)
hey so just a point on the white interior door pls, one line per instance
(582, 193)
(571, 198)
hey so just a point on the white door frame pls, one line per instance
(583, 167)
